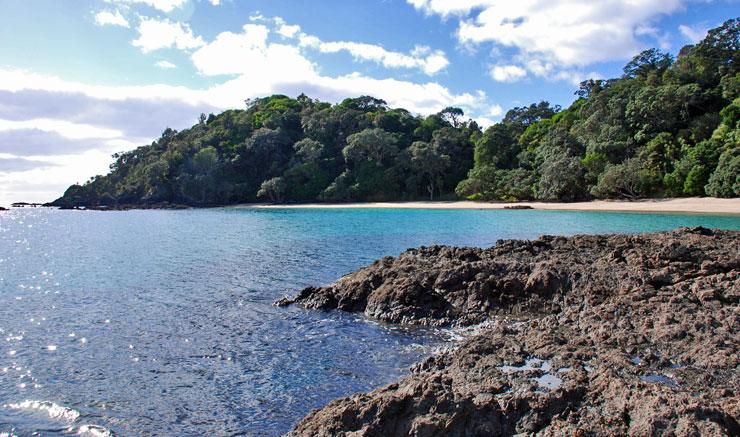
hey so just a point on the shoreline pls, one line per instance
(540, 361)
(691, 205)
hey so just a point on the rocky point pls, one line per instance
(585, 335)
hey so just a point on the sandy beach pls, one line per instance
(696, 205)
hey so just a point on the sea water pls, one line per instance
(162, 323)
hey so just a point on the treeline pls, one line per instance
(665, 128)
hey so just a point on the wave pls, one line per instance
(62, 414)
(53, 410)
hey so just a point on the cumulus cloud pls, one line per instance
(507, 73)
(162, 5)
(46, 177)
(65, 128)
(28, 142)
(286, 30)
(108, 18)
(565, 35)
(75, 127)
(139, 112)
(693, 34)
(14, 164)
(495, 110)
(421, 57)
(165, 64)
(155, 34)
(446, 8)
(265, 67)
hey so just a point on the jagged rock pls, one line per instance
(615, 334)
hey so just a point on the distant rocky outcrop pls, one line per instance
(615, 334)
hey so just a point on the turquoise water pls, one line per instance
(161, 322)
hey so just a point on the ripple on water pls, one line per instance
(60, 417)
(52, 410)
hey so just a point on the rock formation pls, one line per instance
(614, 334)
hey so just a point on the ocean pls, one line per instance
(162, 323)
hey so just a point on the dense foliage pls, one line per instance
(665, 128)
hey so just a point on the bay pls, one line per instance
(162, 323)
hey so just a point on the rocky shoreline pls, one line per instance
(614, 334)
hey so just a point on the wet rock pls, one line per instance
(615, 334)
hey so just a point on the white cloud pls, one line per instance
(215, 2)
(162, 5)
(562, 34)
(507, 73)
(104, 18)
(157, 34)
(16, 81)
(252, 42)
(495, 110)
(288, 31)
(422, 57)
(165, 64)
(284, 29)
(249, 53)
(446, 8)
(693, 33)
(491, 117)
(264, 68)
(62, 127)
(44, 183)
(54, 133)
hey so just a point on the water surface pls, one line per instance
(161, 322)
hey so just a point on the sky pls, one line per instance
(83, 79)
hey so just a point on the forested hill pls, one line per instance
(667, 127)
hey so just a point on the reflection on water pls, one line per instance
(161, 322)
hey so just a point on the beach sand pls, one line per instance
(697, 205)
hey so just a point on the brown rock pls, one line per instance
(604, 335)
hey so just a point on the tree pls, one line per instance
(621, 181)
(308, 150)
(561, 178)
(498, 147)
(452, 115)
(647, 61)
(205, 161)
(370, 145)
(725, 180)
(455, 144)
(590, 87)
(272, 189)
(364, 104)
(429, 164)
(520, 118)
(665, 108)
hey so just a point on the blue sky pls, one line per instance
(81, 79)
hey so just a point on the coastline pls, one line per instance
(633, 360)
(695, 205)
